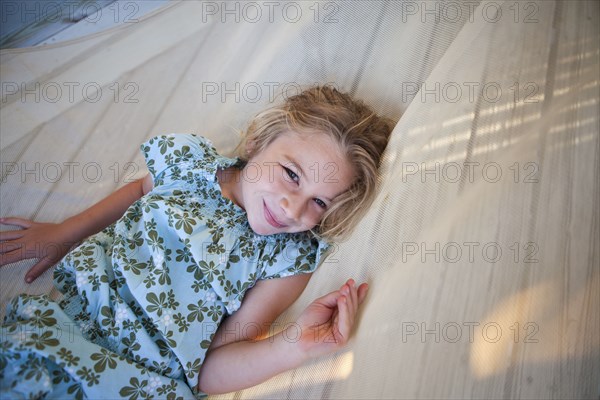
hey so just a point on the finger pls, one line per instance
(351, 313)
(352, 303)
(335, 321)
(330, 299)
(23, 223)
(10, 235)
(38, 269)
(7, 247)
(344, 325)
(362, 292)
(11, 257)
(347, 290)
(354, 293)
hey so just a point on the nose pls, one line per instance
(293, 206)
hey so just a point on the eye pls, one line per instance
(293, 176)
(321, 203)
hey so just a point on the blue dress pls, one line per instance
(144, 297)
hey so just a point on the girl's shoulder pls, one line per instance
(184, 150)
(180, 146)
(295, 253)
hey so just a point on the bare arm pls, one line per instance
(236, 362)
(50, 242)
(228, 356)
(108, 210)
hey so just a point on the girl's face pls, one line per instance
(288, 186)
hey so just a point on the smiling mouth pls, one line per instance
(270, 218)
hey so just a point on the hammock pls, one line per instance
(481, 249)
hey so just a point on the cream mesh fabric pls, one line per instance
(482, 247)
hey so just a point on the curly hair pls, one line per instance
(361, 134)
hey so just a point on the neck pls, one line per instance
(229, 179)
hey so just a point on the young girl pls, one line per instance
(174, 292)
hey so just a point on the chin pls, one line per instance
(260, 229)
(262, 232)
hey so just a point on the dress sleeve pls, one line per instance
(299, 255)
(167, 156)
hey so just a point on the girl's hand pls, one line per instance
(45, 241)
(327, 322)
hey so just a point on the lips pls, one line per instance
(271, 218)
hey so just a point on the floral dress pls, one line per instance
(144, 297)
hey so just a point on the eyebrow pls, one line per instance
(297, 164)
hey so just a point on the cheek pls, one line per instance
(313, 216)
(272, 182)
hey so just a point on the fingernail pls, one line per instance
(28, 279)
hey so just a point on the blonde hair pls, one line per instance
(361, 134)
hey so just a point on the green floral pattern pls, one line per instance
(144, 297)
